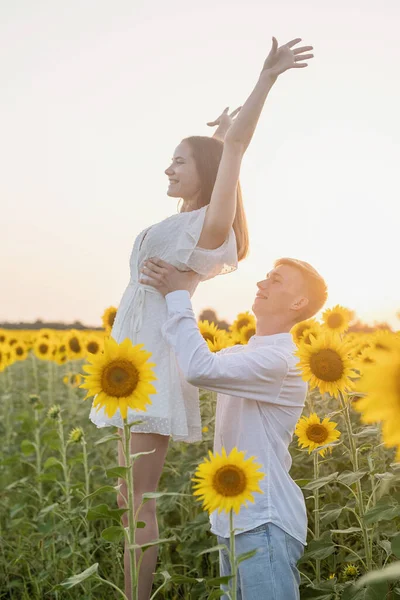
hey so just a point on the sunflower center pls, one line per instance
(317, 433)
(93, 347)
(19, 351)
(119, 378)
(242, 323)
(74, 344)
(43, 348)
(229, 480)
(335, 320)
(326, 364)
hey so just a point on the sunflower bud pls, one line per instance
(350, 571)
(76, 435)
(34, 400)
(54, 412)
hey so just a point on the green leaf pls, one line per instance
(330, 513)
(77, 579)
(348, 530)
(321, 548)
(27, 447)
(117, 472)
(246, 555)
(132, 423)
(151, 495)
(316, 484)
(102, 490)
(384, 510)
(48, 509)
(219, 580)
(138, 454)
(185, 579)
(389, 573)
(144, 547)
(213, 549)
(102, 511)
(115, 533)
(350, 477)
(302, 482)
(52, 461)
(108, 438)
(395, 545)
(140, 524)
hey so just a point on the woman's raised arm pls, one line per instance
(221, 211)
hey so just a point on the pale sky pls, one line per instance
(96, 95)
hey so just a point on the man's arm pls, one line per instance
(254, 375)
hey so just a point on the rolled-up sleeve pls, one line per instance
(256, 375)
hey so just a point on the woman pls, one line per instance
(208, 236)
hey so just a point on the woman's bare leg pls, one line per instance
(146, 472)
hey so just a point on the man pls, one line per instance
(260, 398)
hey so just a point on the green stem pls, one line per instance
(316, 516)
(112, 585)
(38, 458)
(353, 552)
(232, 557)
(131, 513)
(35, 371)
(49, 381)
(64, 463)
(87, 490)
(354, 460)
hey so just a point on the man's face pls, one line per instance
(279, 292)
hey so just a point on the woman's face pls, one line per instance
(184, 181)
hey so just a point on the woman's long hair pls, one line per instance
(207, 154)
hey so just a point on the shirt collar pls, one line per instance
(268, 340)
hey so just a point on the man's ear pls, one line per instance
(300, 303)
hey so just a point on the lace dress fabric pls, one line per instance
(175, 409)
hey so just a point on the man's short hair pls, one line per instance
(317, 291)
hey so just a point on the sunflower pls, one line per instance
(73, 341)
(93, 345)
(313, 433)
(299, 329)
(120, 377)
(72, 379)
(315, 330)
(75, 435)
(380, 381)
(221, 340)
(247, 332)
(242, 320)
(325, 364)
(3, 358)
(337, 318)
(20, 351)
(384, 341)
(4, 336)
(108, 318)
(227, 482)
(209, 331)
(43, 348)
(350, 571)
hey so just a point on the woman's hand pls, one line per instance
(165, 278)
(283, 58)
(224, 121)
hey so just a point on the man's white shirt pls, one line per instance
(260, 398)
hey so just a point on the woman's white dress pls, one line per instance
(142, 311)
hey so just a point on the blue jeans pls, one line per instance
(271, 574)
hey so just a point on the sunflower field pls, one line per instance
(61, 532)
